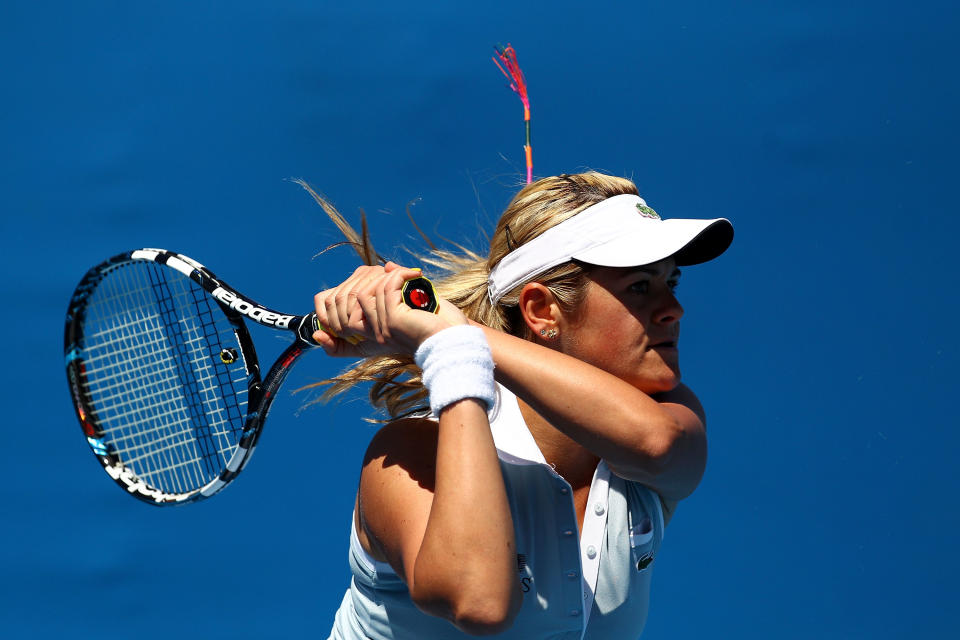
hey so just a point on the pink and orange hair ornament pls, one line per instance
(511, 69)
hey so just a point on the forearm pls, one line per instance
(465, 568)
(640, 438)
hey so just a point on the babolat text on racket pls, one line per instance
(164, 376)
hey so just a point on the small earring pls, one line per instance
(549, 335)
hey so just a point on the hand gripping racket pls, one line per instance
(164, 376)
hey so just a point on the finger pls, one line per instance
(337, 302)
(331, 319)
(324, 339)
(321, 303)
(382, 313)
(364, 318)
(391, 266)
(341, 301)
(336, 347)
(399, 275)
(352, 314)
(390, 305)
(371, 316)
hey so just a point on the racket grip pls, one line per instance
(418, 293)
(311, 325)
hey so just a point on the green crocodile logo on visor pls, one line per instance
(647, 212)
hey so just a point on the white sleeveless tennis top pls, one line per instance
(597, 587)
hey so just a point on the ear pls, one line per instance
(539, 308)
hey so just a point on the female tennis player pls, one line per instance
(531, 499)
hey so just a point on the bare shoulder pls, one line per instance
(406, 447)
(396, 490)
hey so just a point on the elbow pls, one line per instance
(661, 446)
(669, 459)
(679, 461)
(476, 615)
(484, 618)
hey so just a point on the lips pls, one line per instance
(664, 344)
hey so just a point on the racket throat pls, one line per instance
(250, 309)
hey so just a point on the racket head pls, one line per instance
(164, 378)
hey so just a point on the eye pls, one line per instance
(642, 286)
(673, 284)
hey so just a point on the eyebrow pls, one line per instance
(654, 272)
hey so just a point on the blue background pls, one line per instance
(822, 344)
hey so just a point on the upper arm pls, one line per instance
(421, 489)
(396, 492)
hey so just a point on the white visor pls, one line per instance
(621, 231)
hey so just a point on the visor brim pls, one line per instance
(688, 241)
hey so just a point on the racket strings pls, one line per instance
(195, 389)
(167, 406)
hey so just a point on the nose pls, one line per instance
(669, 311)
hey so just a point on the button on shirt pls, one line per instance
(592, 588)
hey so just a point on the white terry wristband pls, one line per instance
(457, 364)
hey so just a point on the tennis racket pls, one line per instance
(164, 377)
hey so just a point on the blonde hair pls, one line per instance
(397, 386)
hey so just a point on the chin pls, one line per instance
(668, 384)
(666, 379)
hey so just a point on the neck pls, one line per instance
(570, 459)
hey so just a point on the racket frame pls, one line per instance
(418, 293)
(261, 392)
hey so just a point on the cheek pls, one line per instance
(619, 348)
(612, 345)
